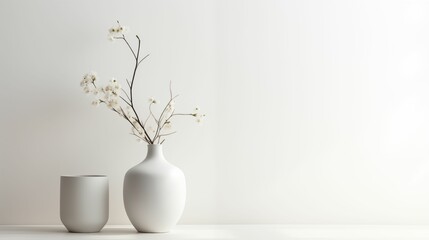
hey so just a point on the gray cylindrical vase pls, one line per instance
(84, 202)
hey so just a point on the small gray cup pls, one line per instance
(84, 202)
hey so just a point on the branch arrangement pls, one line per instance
(121, 100)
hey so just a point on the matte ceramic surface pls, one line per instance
(84, 202)
(154, 193)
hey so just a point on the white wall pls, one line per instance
(317, 110)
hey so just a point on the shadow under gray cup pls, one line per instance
(84, 202)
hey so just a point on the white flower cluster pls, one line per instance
(88, 81)
(199, 117)
(115, 32)
(108, 94)
(111, 94)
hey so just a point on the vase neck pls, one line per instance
(154, 151)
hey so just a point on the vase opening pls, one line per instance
(83, 176)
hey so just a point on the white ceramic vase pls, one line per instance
(84, 202)
(154, 193)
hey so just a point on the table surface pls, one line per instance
(232, 232)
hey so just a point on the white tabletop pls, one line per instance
(232, 232)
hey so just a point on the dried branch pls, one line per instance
(161, 116)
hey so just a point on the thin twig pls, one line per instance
(123, 99)
(171, 116)
(161, 116)
(183, 114)
(163, 135)
(166, 134)
(171, 91)
(147, 119)
(151, 113)
(126, 94)
(138, 136)
(144, 58)
(129, 46)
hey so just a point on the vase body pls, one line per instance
(154, 193)
(84, 202)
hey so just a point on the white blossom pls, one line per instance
(115, 85)
(86, 89)
(115, 32)
(96, 91)
(125, 29)
(195, 112)
(168, 125)
(95, 103)
(112, 104)
(88, 78)
(119, 30)
(152, 100)
(199, 117)
(170, 107)
(137, 132)
(91, 77)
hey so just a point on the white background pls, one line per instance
(318, 111)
